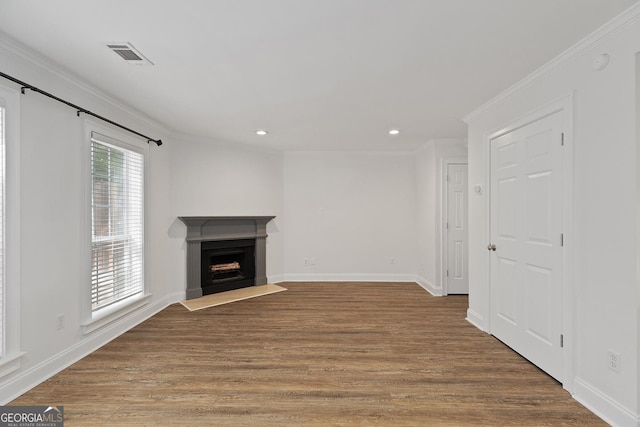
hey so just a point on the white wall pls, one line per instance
(368, 202)
(426, 210)
(604, 234)
(52, 210)
(429, 160)
(214, 179)
(349, 214)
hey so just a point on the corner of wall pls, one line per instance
(26, 380)
(476, 319)
(604, 406)
(434, 290)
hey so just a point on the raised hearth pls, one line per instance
(225, 252)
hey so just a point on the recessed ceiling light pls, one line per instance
(394, 132)
(261, 132)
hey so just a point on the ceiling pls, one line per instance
(317, 74)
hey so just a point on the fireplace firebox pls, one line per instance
(225, 253)
(227, 265)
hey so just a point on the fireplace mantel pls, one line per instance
(216, 228)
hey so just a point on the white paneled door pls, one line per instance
(526, 241)
(457, 276)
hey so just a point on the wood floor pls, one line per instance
(319, 354)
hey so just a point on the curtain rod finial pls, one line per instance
(79, 110)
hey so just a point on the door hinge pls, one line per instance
(447, 273)
(561, 340)
(562, 139)
(447, 226)
(562, 240)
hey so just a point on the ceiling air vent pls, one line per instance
(129, 53)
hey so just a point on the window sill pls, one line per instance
(105, 316)
(10, 363)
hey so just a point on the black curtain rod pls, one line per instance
(77, 108)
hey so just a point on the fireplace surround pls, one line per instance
(225, 252)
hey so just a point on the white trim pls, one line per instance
(604, 406)
(40, 65)
(554, 106)
(92, 321)
(429, 287)
(113, 312)
(276, 278)
(48, 368)
(12, 286)
(175, 297)
(226, 144)
(569, 296)
(609, 29)
(476, 319)
(406, 278)
(444, 215)
(11, 363)
(349, 277)
(564, 104)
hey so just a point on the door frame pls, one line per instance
(444, 214)
(568, 292)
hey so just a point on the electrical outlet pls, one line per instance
(306, 262)
(60, 319)
(613, 361)
(392, 260)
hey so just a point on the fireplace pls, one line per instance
(227, 265)
(225, 253)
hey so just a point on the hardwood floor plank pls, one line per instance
(319, 354)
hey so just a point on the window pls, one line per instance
(117, 221)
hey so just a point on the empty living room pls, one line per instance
(320, 212)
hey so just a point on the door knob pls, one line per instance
(491, 247)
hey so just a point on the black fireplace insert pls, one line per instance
(227, 265)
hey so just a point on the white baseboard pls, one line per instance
(429, 287)
(604, 406)
(278, 278)
(25, 381)
(476, 320)
(348, 277)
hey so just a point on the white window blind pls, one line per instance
(117, 221)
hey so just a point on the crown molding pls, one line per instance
(609, 29)
(29, 58)
(216, 142)
(442, 142)
(424, 146)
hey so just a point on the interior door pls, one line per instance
(526, 241)
(457, 277)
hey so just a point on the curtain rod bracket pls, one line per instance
(77, 108)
